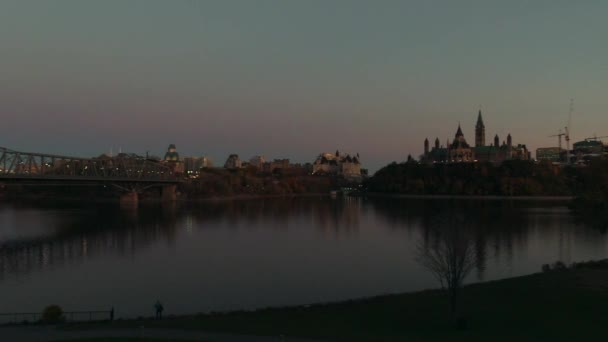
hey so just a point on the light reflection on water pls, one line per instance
(254, 253)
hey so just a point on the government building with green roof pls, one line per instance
(458, 150)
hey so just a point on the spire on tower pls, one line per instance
(479, 120)
(459, 132)
(509, 146)
(480, 131)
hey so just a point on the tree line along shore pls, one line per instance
(513, 179)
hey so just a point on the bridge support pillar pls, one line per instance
(169, 193)
(129, 199)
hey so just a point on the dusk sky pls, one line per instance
(291, 79)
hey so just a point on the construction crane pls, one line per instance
(559, 140)
(568, 130)
(595, 137)
(567, 136)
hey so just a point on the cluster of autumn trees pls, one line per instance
(588, 184)
(249, 181)
(212, 182)
(511, 178)
(591, 202)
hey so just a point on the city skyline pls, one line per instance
(296, 79)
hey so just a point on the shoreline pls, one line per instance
(150, 200)
(249, 197)
(473, 197)
(528, 302)
(240, 197)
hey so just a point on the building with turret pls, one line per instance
(458, 150)
(340, 164)
(171, 155)
(438, 154)
(173, 161)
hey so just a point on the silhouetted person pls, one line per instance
(112, 314)
(159, 310)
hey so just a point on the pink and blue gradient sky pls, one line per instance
(296, 78)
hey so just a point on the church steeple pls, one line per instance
(480, 131)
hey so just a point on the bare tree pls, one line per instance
(450, 257)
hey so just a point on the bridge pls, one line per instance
(129, 174)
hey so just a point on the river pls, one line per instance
(245, 254)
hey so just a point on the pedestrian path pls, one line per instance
(51, 333)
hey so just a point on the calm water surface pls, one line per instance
(257, 253)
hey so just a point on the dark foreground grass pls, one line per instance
(556, 306)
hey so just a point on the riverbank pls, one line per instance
(251, 197)
(149, 200)
(152, 200)
(474, 197)
(558, 305)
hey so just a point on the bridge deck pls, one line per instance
(24, 177)
(37, 167)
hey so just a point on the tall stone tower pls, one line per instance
(509, 146)
(426, 146)
(480, 132)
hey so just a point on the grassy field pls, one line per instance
(559, 306)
